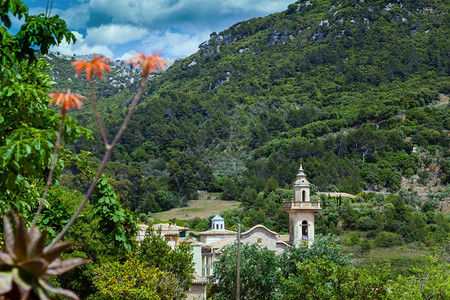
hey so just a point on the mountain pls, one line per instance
(356, 90)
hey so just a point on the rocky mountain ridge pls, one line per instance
(347, 87)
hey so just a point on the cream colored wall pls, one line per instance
(197, 291)
(197, 259)
(296, 220)
(298, 194)
(210, 238)
(262, 238)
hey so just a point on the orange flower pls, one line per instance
(152, 63)
(66, 100)
(98, 64)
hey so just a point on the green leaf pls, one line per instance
(27, 148)
(11, 181)
(8, 152)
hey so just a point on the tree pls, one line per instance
(134, 279)
(116, 223)
(258, 273)
(349, 215)
(28, 127)
(324, 279)
(324, 247)
(27, 261)
(430, 282)
(157, 253)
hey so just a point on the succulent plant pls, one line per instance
(28, 263)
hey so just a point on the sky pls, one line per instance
(121, 28)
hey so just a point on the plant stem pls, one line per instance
(52, 168)
(109, 149)
(97, 115)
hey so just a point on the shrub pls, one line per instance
(388, 239)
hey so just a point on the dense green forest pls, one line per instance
(357, 91)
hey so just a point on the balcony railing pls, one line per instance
(301, 205)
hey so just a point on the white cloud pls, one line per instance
(136, 11)
(76, 17)
(174, 27)
(81, 47)
(160, 13)
(260, 6)
(128, 55)
(114, 34)
(173, 44)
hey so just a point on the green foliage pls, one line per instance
(388, 239)
(43, 32)
(258, 273)
(365, 246)
(430, 282)
(28, 127)
(133, 279)
(324, 247)
(143, 218)
(319, 272)
(339, 95)
(177, 262)
(324, 279)
(115, 222)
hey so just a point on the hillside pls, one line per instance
(196, 209)
(350, 88)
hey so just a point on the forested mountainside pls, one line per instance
(355, 90)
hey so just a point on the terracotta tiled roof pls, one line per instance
(221, 243)
(169, 229)
(256, 227)
(199, 279)
(284, 237)
(194, 242)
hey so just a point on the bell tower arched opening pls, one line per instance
(304, 230)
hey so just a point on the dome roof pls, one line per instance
(217, 218)
(301, 177)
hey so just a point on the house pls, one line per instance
(173, 234)
(301, 230)
(198, 288)
(264, 237)
(206, 251)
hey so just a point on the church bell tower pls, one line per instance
(301, 212)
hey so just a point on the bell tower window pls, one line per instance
(304, 230)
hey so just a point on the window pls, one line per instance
(304, 229)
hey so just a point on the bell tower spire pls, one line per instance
(301, 211)
(301, 187)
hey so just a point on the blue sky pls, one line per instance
(121, 28)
